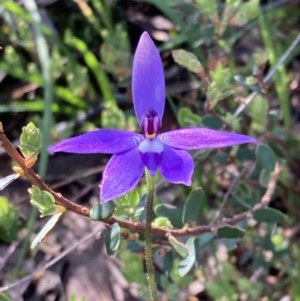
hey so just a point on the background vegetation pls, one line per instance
(234, 65)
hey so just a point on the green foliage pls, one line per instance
(102, 211)
(127, 206)
(173, 214)
(178, 246)
(162, 222)
(268, 215)
(187, 60)
(4, 182)
(205, 239)
(8, 218)
(42, 200)
(45, 230)
(112, 238)
(187, 118)
(230, 232)
(30, 141)
(220, 87)
(193, 206)
(186, 264)
(266, 157)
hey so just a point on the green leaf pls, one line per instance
(257, 109)
(245, 154)
(178, 246)
(193, 206)
(207, 8)
(112, 238)
(248, 82)
(102, 211)
(168, 263)
(8, 217)
(264, 178)
(42, 200)
(204, 239)
(211, 122)
(174, 214)
(4, 182)
(230, 232)
(30, 140)
(187, 118)
(261, 57)
(266, 157)
(162, 222)
(112, 117)
(186, 264)
(45, 230)
(268, 215)
(187, 60)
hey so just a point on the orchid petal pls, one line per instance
(177, 166)
(100, 141)
(148, 81)
(122, 173)
(198, 138)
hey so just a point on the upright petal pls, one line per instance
(198, 138)
(177, 166)
(100, 141)
(122, 173)
(148, 81)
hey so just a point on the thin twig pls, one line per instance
(229, 191)
(267, 78)
(36, 180)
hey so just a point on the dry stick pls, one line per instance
(229, 191)
(268, 76)
(51, 262)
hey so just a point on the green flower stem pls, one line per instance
(148, 247)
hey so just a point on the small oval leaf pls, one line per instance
(204, 239)
(266, 157)
(174, 214)
(101, 211)
(268, 215)
(186, 264)
(112, 238)
(230, 232)
(193, 206)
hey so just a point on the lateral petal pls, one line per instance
(122, 173)
(99, 141)
(198, 138)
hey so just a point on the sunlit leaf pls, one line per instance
(186, 264)
(4, 182)
(45, 230)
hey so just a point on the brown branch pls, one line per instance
(36, 180)
(134, 226)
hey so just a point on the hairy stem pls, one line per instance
(148, 232)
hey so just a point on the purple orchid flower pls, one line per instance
(132, 152)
